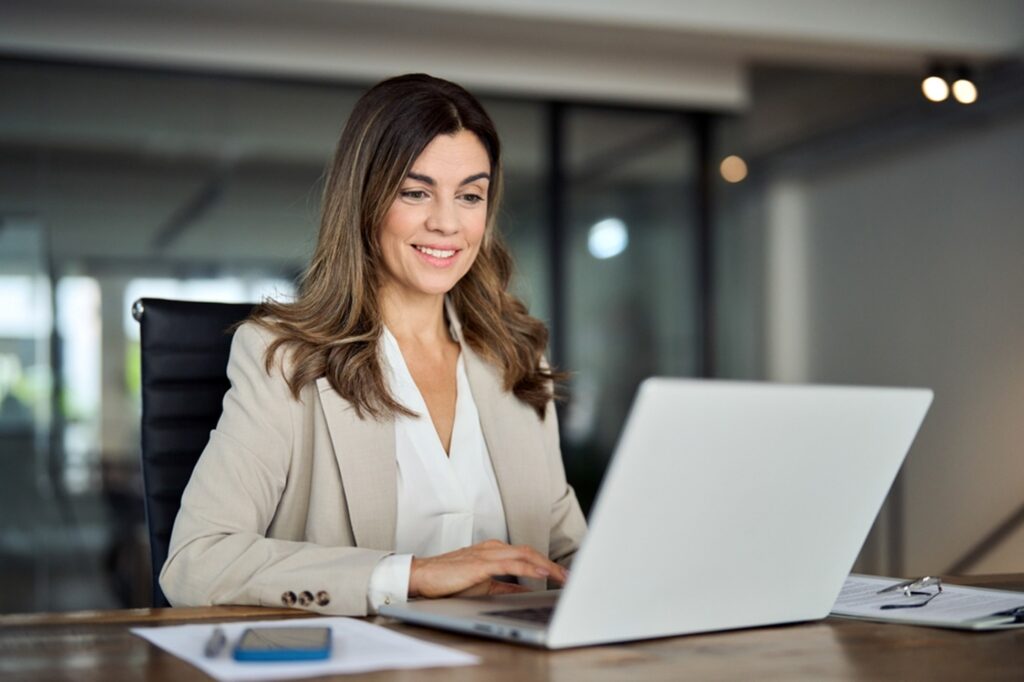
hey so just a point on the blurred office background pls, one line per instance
(862, 234)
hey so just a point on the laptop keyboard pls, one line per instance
(540, 615)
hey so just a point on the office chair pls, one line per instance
(185, 348)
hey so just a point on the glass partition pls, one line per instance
(629, 272)
(189, 185)
(30, 480)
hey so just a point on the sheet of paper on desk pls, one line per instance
(358, 647)
(956, 607)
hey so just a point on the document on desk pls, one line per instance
(966, 608)
(357, 647)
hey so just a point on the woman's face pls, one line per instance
(431, 234)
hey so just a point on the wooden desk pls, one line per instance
(98, 646)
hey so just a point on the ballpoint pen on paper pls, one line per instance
(1005, 617)
(215, 644)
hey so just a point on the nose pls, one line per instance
(443, 217)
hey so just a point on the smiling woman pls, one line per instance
(432, 232)
(429, 239)
(390, 433)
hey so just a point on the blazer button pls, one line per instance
(322, 598)
(306, 598)
(288, 599)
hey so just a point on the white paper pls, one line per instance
(357, 647)
(956, 606)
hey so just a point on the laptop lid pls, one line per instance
(732, 504)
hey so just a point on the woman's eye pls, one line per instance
(472, 198)
(415, 194)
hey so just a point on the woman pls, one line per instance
(390, 433)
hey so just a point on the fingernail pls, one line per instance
(544, 572)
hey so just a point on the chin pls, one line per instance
(436, 288)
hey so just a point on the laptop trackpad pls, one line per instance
(476, 606)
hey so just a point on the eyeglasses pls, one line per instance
(915, 588)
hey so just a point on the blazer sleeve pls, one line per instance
(568, 525)
(219, 552)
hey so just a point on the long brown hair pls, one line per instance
(333, 326)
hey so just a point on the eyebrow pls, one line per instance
(430, 181)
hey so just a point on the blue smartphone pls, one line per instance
(284, 644)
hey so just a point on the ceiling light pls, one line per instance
(935, 88)
(964, 89)
(607, 238)
(733, 168)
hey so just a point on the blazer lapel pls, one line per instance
(516, 449)
(365, 450)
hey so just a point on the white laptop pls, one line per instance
(727, 505)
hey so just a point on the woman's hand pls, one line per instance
(470, 571)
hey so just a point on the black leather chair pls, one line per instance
(185, 348)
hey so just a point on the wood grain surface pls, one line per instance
(97, 645)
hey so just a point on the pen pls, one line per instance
(1014, 615)
(215, 644)
(1017, 614)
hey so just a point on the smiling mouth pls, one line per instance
(436, 253)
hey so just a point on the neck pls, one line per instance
(414, 318)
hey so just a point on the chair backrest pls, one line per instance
(185, 348)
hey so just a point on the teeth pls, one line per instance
(436, 253)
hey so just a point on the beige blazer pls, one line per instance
(293, 502)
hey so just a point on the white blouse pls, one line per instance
(445, 501)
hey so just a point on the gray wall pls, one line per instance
(907, 267)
